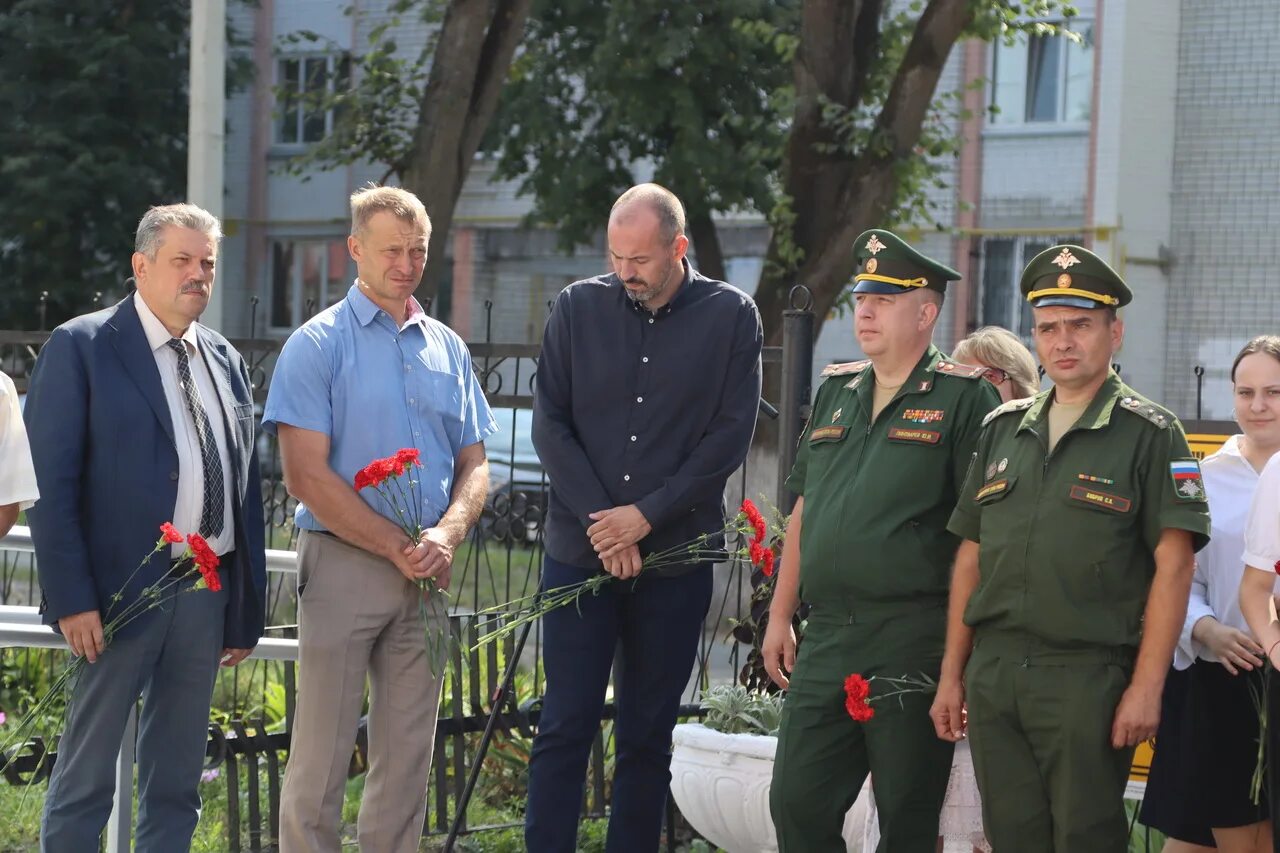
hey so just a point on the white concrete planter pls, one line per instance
(721, 784)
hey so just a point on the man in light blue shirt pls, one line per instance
(361, 380)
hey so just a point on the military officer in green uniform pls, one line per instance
(1080, 515)
(878, 471)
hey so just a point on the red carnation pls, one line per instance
(856, 691)
(1278, 567)
(362, 480)
(170, 533)
(766, 565)
(756, 552)
(755, 518)
(408, 456)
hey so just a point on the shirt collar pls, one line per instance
(682, 295)
(1098, 413)
(157, 335)
(366, 309)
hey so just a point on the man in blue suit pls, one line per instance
(139, 415)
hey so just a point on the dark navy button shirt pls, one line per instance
(652, 409)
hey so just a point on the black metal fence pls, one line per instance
(249, 738)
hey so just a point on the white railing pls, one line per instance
(21, 627)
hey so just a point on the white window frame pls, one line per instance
(332, 62)
(1003, 123)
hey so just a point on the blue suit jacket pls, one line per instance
(107, 468)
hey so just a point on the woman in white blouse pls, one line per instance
(1207, 743)
(1258, 585)
(17, 478)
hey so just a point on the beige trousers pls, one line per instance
(358, 616)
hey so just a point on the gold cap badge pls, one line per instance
(1065, 259)
(1064, 280)
(872, 263)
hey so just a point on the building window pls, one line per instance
(1000, 302)
(1043, 79)
(306, 276)
(304, 84)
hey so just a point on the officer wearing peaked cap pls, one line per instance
(1080, 517)
(878, 471)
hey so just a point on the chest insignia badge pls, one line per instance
(835, 416)
(1089, 478)
(991, 471)
(1003, 464)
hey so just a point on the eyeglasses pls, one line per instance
(995, 376)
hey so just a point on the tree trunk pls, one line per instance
(836, 197)
(475, 45)
(706, 245)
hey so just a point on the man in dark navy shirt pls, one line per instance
(647, 393)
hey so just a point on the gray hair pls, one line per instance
(151, 228)
(662, 201)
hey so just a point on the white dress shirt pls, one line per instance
(1262, 532)
(17, 476)
(186, 514)
(1230, 483)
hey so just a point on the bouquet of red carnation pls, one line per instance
(746, 526)
(390, 478)
(197, 561)
(857, 692)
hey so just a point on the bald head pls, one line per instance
(651, 200)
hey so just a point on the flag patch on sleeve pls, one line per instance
(1187, 483)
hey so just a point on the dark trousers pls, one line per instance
(655, 621)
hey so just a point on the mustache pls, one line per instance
(194, 287)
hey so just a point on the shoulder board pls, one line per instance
(955, 368)
(1158, 415)
(1020, 405)
(846, 368)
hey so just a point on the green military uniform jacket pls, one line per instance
(1068, 539)
(877, 495)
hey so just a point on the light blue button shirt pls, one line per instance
(374, 389)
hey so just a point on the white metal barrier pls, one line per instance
(21, 627)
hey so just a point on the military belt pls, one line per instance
(1029, 650)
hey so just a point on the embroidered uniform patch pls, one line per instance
(1187, 484)
(924, 436)
(827, 433)
(1102, 499)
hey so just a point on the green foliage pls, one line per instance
(733, 709)
(94, 101)
(698, 90)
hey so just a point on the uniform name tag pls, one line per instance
(1102, 499)
(827, 433)
(925, 436)
(991, 489)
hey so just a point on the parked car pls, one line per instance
(517, 484)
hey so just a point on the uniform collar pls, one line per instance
(157, 335)
(919, 381)
(366, 309)
(1095, 416)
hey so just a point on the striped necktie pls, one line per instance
(211, 512)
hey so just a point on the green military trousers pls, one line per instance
(1040, 731)
(824, 756)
